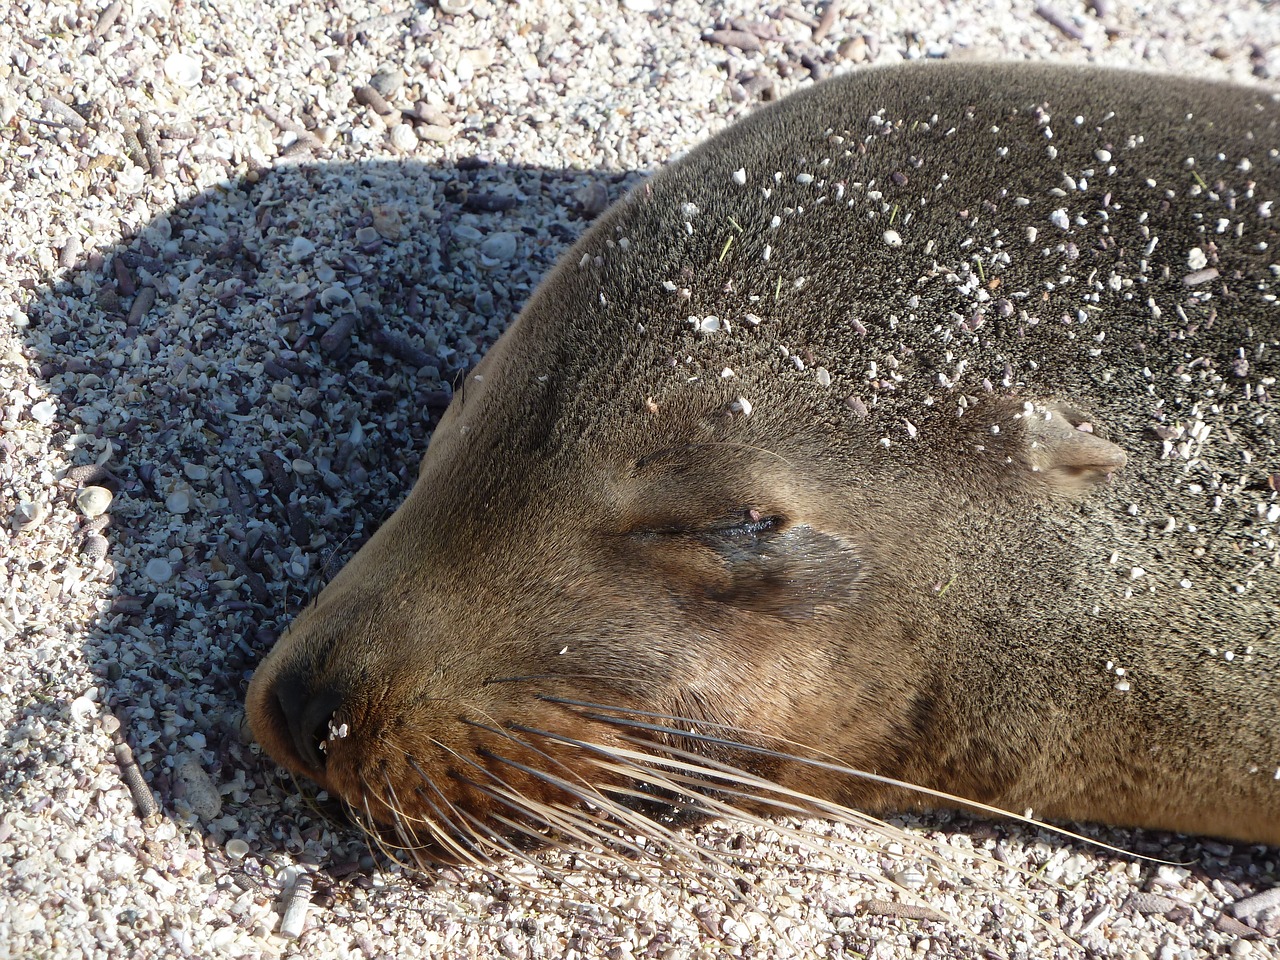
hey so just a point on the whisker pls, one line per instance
(616, 717)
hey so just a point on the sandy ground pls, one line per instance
(236, 285)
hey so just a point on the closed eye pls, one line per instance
(750, 524)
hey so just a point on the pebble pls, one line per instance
(83, 709)
(436, 133)
(183, 69)
(200, 792)
(403, 137)
(498, 248)
(44, 412)
(93, 501)
(388, 82)
(158, 570)
(300, 248)
(178, 502)
(237, 849)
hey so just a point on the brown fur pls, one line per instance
(957, 564)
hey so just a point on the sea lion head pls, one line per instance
(675, 497)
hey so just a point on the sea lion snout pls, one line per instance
(307, 714)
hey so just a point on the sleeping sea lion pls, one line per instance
(918, 431)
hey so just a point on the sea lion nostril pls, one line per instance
(308, 715)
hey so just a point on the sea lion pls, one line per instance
(921, 424)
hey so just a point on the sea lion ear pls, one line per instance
(1063, 448)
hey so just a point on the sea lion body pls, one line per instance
(924, 419)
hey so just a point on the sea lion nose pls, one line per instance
(309, 714)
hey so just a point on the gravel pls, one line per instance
(247, 249)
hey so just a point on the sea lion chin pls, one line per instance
(919, 425)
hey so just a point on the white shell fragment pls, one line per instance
(44, 412)
(93, 501)
(158, 570)
(182, 69)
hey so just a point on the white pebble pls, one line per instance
(158, 569)
(499, 248)
(200, 792)
(237, 849)
(1196, 259)
(93, 501)
(183, 69)
(300, 249)
(893, 238)
(740, 176)
(44, 412)
(1060, 219)
(403, 137)
(178, 502)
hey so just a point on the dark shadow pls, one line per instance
(267, 362)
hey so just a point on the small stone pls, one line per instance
(403, 137)
(200, 792)
(158, 569)
(183, 69)
(44, 412)
(435, 132)
(93, 501)
(237, 849)
(388, 81)
(455, 8)
(178, 502)
(388, 223)
(498, 248)
(195, 471)
(301, 249)
(593, 197)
